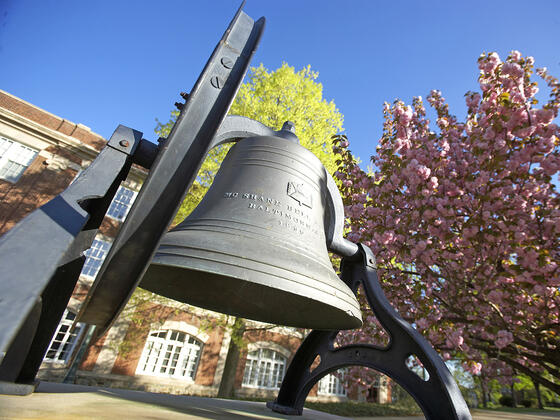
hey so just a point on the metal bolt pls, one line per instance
(124, 143)
(289, 126)
(179, 105)
(184, 95)
(217, 82)
(227, 62)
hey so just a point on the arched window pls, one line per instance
(64, 339)
(121, 204)
(14, 159)
(170, 353)
(332, 384)
(264, 369)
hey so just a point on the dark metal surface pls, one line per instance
(33, 253)
(334, 228)
(36, 290)
(236, 127)
(173, 172)
(438, 397)
(258, 237)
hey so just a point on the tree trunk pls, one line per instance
(484, 392)
(538, 391)
(227, 384)
(513, 397)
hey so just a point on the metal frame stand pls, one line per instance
(438, 397)
(36, 290)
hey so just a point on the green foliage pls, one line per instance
(506, 400)
(363, 409)
(273, 97)
(286, 95)
(526, 403)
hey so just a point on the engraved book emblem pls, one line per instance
(300, 193)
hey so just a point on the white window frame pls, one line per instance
(264, 369)
(332, 385)
(171, 354)
(13, 154)
(66, 337)
(121, 204)
(95, 256)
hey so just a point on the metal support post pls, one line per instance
(438, 397)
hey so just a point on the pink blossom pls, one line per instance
(503, 339)
(490, 62)
(545, 116)
(387, 237)
(472, 99)
(516, 55)
(472, 208)
(455, 339)
(474, 368)
(512, 69)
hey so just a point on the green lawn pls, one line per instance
(362, 409)
(520, 409)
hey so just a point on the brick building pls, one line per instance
(157, 344)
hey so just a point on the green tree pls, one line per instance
(273, 97)
(270, 97)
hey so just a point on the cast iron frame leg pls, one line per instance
(438, 397)
(38, 290)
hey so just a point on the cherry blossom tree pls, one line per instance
(465, 220)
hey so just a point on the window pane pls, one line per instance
(121, 203)
(65, 339)
(180, 358)
(94, 257)
(14, 159)
(332, 385)
(264, 369)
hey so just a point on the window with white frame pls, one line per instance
(95, 256)
(265, 368)
(14, 159)
(64, 339)
(332, 384)
(121, 203)
(170, 353)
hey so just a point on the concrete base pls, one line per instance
(11, 388)
(66, 402)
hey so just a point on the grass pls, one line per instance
(520, 409)
(354, 408)
(363, 409)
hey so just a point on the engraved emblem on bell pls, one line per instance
(300, 193)
(248, 250)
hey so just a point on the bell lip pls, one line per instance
(332, 313)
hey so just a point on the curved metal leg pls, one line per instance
(438, 397)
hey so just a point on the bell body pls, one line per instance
(255, 245)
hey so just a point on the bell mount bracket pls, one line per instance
(438, 396)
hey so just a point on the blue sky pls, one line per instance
(101, 63)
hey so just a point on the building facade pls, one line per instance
(156, 344)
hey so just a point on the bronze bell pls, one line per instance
(255, 246)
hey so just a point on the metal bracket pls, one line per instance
(438, 397)
(172, 172)
(36, 290)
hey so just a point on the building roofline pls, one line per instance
(83, 126)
